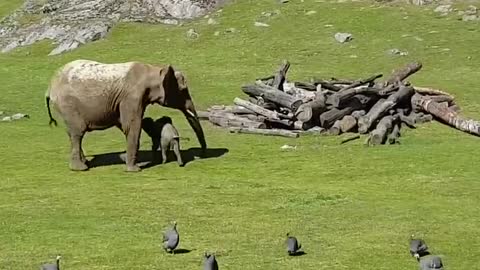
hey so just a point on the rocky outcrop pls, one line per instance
(71, 23)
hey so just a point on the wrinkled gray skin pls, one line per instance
(418, 248)
(171, 238)
(210, 262)
(431, 263)
(52, 266)
(95, 96)
(292, 245)
(164, 137)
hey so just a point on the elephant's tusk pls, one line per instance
(190, 113)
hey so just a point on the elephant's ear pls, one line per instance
(147, 126)
(181, 80)
(169, 80)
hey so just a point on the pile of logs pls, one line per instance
(378, 109)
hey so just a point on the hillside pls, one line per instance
(351, 207)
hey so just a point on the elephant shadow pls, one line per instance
(145, 157)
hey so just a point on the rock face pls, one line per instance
(71, 23)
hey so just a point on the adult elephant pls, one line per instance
(91, 96)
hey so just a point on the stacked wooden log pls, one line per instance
(378, 109)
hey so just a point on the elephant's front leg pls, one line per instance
(131, 119)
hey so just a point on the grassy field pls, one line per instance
(351, 207)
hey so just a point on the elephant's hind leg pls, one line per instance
(164, 153)
(77, 158)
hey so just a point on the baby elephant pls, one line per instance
(164, 137)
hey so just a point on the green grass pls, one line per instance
(351, 207)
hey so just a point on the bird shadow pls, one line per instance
(298, 253)
(423, 254)
(182, 251)
(146, 160)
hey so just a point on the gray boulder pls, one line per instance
(72, 23)
(343, 37)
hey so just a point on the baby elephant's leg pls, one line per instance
(155, 146)
(164, 148)
(176, 150)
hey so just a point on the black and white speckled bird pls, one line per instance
(52, 266)
(210, 262)
(171, 238)
(418, 248)
(431, 263)
(292, 245)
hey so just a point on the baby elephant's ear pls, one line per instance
(147, 125)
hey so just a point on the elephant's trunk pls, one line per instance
(194, 122)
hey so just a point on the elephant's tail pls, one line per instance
(52, 120)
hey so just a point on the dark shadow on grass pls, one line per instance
(144, 158)
(182, 251)
(299, 253)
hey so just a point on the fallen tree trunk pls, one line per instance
(431, 91)
(311, 109)
(383, 106)
(329, 117)
(258, 110)
(446, 116)
(358, 102)
(280, 76)
(358, 114)
(262, 103)
(335, 129)
(347, 123)
(202, 115)
(441, 98)
(271, 94)
(230, 109)
(351, 90)
(395, 134)
(403, 73)
(269, 132)
(230, 120)
(379, 134)
(337, 98)
(306, 86)
(326, 85)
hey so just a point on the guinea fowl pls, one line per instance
(292, 245)
(210, 262)
(418, 248)
(430, 263)
(51, 266)
(171, 238)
